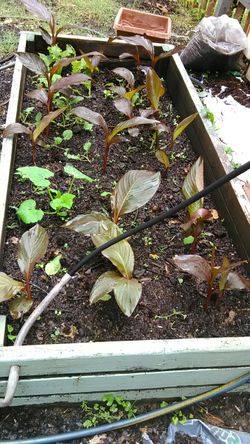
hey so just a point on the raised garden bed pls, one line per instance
(138, 369)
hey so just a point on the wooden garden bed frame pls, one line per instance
(148, 369)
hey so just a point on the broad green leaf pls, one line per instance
(20, 306)
(162, 157)
(15, 128)
(154, 87)
(54, 266)
(104, 284)
(193, 183)
(122, 126)
(91, 116)
(125, 74)
(74, 79)
(183, 125)
(38, 10)
(32, 62)
(66, 200)
(133, 191)
(92, 223)
(124, 106)
(31, 248)
(121, 254)
(189, 240)
(67, 134)
(127, 294)
(46, 121)
(38, 176)
(195, 265)
(28, 213)
(72, 171)
(9, 287)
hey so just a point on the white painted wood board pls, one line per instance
(2, 330)
(59, 359)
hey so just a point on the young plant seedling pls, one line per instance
(110, 136)
(132, 191)
(197, 214)
(219, 278)
(31, 248)
(18, 128)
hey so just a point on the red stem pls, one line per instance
(33, 151)
(27, 286)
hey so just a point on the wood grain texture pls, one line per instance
(2, 329)
(136, 395)
(104, 357)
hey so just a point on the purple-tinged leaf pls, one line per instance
(147, 112)
(74, 79)
(92, 223)
(20, 306)
(46, 35)
(135, 121)
(38, 94)
(125, 74)
(139, 40)
(196, 217)
(126, 55)
(119, 139)
(127, 294)
(32, 247)
(120, 90)
(193, 183)
(124, 106)
(15, 128)
(104, 285)
(165, 55)
(9, 287)
(46, 122)
(133, 191)
(32, 62)
(38, 10)
(154, 87)
(195, 265)
(91, 116)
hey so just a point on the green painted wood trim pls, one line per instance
(2, 329)
(124, 381)
(135, 395)
(158, 355)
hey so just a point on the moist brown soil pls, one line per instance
(165, 290)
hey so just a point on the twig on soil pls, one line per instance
(9, 65)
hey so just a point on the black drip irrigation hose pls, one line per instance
(84, 433)
(69, 436)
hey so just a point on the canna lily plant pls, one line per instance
(132, 191)
(197, 214)
(219, 278)
(111, 137)
(31, 248)
(18, 128)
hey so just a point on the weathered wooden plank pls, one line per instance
(2, 329)
(222, 7)
(136, 395)
(82, 358)
(233, 208)
(210, 8)
(239, 11)
(9, 145)
(247, 25)
(124, 381)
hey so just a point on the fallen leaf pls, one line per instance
(230, 318)
(97, 439)
(69, 332)
(214, 420)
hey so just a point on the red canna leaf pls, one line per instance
(38, 10)
(74, 79)
(38, 94)
(32, 62)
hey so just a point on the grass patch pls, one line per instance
(8, 42)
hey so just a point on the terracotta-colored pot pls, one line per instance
(132, 22)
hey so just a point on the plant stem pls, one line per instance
(33, 151)
(27, 285)
(105, 157)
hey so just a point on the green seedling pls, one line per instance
(10, 333)
(132, 191)
(112, 408)
(31, 248)
(54, 266)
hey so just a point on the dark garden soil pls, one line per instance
(232, 411)
(171, 305)
(164, 288)
(5, 82)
